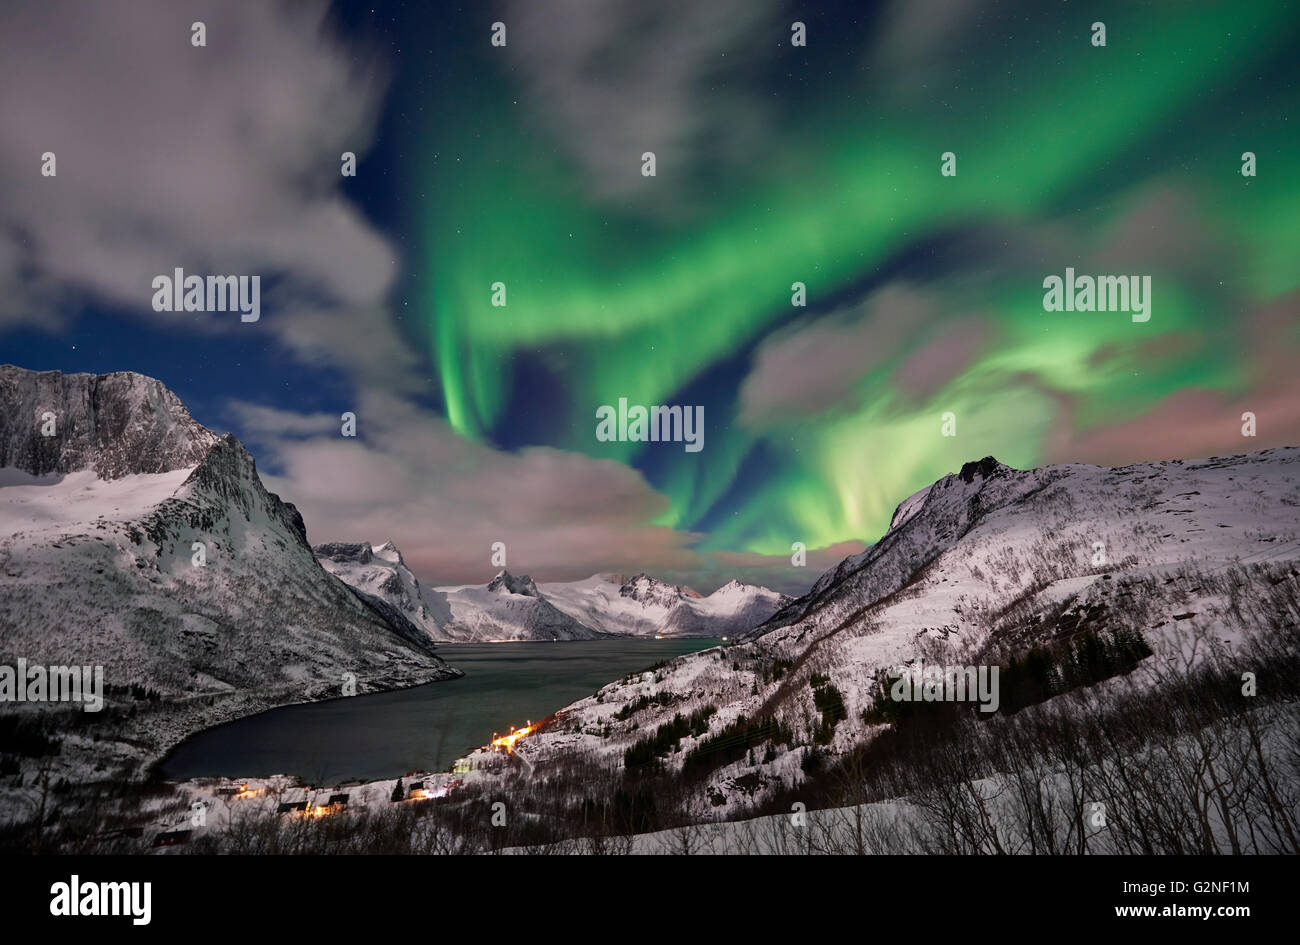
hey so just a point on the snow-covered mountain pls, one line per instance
(644, 606)
(508, 608)
(380, 573)
(133, 538)
(516, 608)
(983, 565)
(1058, 536)
(511, 607)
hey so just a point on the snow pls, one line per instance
(909, 507)
(512, 608)
(59, 501)
(380, 571)
(97, 567)
(642, 608)
(494, 613)
(972, 558)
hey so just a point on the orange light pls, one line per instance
(508, 741)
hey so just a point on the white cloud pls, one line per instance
(409, 478)
(222, 159)
(814, 367)
(612, 80)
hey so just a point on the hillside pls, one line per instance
(190, 584)
(985, 565)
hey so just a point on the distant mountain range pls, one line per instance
(513, 607)
(643, 606)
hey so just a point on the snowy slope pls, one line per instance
(508, 608)
(992, 534)
(98, 566)
(988, 562)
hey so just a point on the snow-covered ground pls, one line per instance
(984, 563)
(46, 505)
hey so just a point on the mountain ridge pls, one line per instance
(981, 567)
(118, 424)
(193, 581)
(513, 607)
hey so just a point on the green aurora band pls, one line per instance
(611, 301)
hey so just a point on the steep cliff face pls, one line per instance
(379, 575)
(114, 424)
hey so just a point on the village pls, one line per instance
(204, 804)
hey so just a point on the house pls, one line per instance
(338, 801)
(171, 838)
(289, 807)
(417, 791)
(462, 766)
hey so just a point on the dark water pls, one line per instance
(429, 727)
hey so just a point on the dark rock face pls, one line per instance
(984, 467)
(116, 424)
(648, 590)
(357, 551)
(505, 581)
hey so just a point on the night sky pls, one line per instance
(775, 164)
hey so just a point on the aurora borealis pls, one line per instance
(775, 165)
(676, 289)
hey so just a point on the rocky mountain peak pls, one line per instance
(352, 552)
(118, 424)
(985, 468)
(647, 590)
(732, 587)
(505, 581)
(389, 552)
